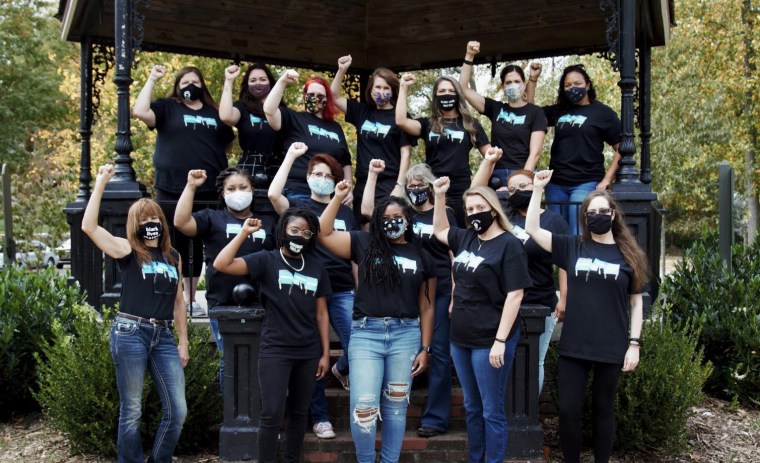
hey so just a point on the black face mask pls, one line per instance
(394, 228)
(418, 197)
(599, 224)
(481, 221)
(190, 92)
(575, 94)
(295, 244)
(446, 102)
(520, 199)
(150, 230)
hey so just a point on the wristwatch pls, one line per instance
(426, 349)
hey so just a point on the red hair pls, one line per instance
(329, 110)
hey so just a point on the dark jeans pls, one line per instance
(282, 378)
(573, 374)
(438, 406)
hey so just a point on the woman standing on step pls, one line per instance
(295, 340)
(141, 336)
(606, 274)
(490, 274)
(393, 320)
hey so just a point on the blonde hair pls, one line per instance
(490, 197)
(141, 210)
(436, 115)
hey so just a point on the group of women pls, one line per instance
(426, 268)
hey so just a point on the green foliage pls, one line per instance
(31, 303)
(655, 400)
(78, 389)
(725, 308)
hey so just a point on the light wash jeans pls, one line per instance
(568, 193)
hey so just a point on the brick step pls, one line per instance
(446, 448)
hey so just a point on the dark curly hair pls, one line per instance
(223, 176)
(562, 100)
(288, 217)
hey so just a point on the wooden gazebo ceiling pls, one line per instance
(400, 34)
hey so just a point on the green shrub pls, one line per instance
(30, 303)
(78, 389)
(726, 309)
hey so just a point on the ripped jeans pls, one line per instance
(380, 356)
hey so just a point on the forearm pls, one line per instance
(637, 311)
(427, 313)
(530, 90)
(532, 219)
(183, 215)
(227, 255)
(406, 155)
(440, 220)
(276, 188)
(272, 102)
(226, 109)
(483, 175)
(327, 219)
(348, 174)
(142, 102)
(368, 198)
(336, 86)
(609, 176)
(323, 325)
(536, 144)
(562, 286)
(180, 322)
(90, 218)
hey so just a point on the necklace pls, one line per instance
(303, 262)
(480, 243)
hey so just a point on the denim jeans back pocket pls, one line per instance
(123, 327)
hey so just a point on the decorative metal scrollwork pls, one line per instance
(138, 28)
(612, 32)
(102, 62)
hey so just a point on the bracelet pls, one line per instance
(466, 61)
(532, 80)
(503, 341)
(634, 342)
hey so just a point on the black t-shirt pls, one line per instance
(290, 326)
(339, 270)
(543, 291)
(255, 135)
(484, 273)
(449, 153)
(188, 139)
(599, 284)
(149, 289)
(217, 228)
(577, 154)
(400, 301)
(321, 136)
(511, 129)
(423, 228)
(377, 137)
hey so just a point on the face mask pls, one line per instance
(575, 94)
(382, 98)
(446, 102)
(295, 244)
(520, 199)
(321, 186)
(313, 104)
(190, 92)
(150, 230)
(239, 200)
(418, 197)
(599, 224)
(515, 91)
(481, 221)
(394, 228)
(258, 90)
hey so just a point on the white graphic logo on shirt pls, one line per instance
(510, 118)
(469, 259)
(405, 264)
(161, 268)
(235, 229)
(375, 128)
(520, 234)
(303, 282)
(573, 120)
(423, 230)
(447, 133)
(258, 120)
(207, 122)
(320, 132)
(598, 266)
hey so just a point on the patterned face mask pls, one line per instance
(150, 230)
(575, 94)
(322, 186)
(394, 228)
(515, 91)
(382, 98)
(314, 103)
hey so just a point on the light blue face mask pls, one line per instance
(321, 186)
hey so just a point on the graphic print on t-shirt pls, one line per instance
(160, 268)
(423, 230)
(319, 132)
(469, 259)
(598, 266)
(520, 233)
(375, 128)
(572, 119)
(235, 229)
(207, 122)
(447, 133)
(255, 120)
(510, 118)
(303, 282)
(405, 264)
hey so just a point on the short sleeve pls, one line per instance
(558, 225)
(344, 158)
(203, 222)
(480, 135)
(159, 108)
(488, 107)
(240, 106)
(324, 288)
(613, 127)
(424, 126)
(562, 248)
(357, 246)
(226, 135)
(353, 111)
(257, 264)
(407, 139)
(552, 113)
(455, 237)
(514, 266)
(286, 118)
(539, 121)
(124, 261)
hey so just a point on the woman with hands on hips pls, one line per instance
(295, 341)
(390, 341)
(606, 274)
(490, 273)
(142, 337)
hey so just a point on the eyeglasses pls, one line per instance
(295, 231)
(318, 96)
(322, 175)
(520, 186)
(602, 211)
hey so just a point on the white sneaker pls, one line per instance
(196, 310)
(324, 430)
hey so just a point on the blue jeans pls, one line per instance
(136, 347)
(502, 175)
(219, 349)
(484, 388)
(568, 193)
(292, 194)
(340, 306)
(437, 410)
(381, 354)
(543, 347)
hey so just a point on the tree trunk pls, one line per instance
(753, 207)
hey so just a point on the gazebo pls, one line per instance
(398, 34)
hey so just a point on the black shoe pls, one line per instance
(424, 431)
